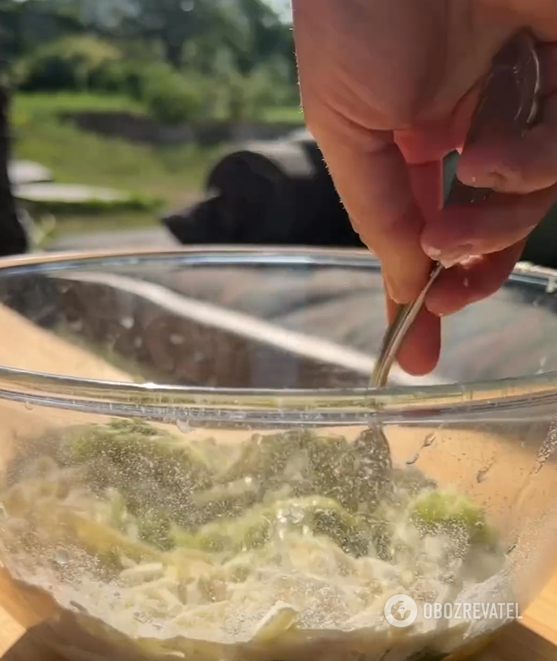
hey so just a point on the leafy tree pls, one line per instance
(27, 24)
(242, 47)
(250, 29)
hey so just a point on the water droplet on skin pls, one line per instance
(28, 406)
(413, 460)
(429, 440)
(127, 322)
(184, 426)
(62, 557)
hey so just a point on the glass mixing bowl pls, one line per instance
(190, 466)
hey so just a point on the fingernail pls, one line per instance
(448, 262)
(392, 292)
(432, 252)
(450, 257)
(496, 182)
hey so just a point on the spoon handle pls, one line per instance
(507, 106)
(397, 330)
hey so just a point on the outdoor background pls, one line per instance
(141, 96)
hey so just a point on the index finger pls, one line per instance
(387, 200)
(352, 103)
(376, 187)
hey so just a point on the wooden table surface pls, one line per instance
(24, 346)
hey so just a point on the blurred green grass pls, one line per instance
(289, 115)
(174, 174)
(76, 156)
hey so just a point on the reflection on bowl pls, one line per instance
(245, 507)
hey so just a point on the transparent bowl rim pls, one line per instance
(207, 405)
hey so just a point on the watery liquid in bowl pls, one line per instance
(285, 546)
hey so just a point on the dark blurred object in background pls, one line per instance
(280, 193)
(276, 193)
(13, 238)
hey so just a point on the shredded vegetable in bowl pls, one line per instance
(277, 548)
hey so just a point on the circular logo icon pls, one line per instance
(400, 611)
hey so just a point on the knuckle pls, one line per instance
(330, 121)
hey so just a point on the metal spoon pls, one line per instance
(508, 106)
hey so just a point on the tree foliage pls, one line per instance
(243, 47)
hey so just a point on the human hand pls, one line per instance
(388, 89)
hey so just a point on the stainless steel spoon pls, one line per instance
(508, 106)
